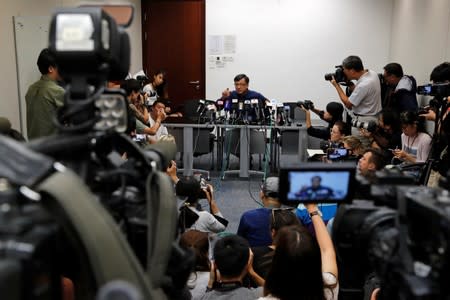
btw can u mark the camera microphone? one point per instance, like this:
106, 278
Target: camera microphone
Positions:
201, 106
287, 112
255, 106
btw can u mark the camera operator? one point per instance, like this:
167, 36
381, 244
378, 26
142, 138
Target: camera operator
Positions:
387, 134
190, 216
401, 90
440, 74
332, 114
365, 100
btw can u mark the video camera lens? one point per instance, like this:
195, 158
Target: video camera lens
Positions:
370, 126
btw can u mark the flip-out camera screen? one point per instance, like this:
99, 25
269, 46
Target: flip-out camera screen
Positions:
317, 183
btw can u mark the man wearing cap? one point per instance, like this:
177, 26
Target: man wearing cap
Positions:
332, 114
254, 224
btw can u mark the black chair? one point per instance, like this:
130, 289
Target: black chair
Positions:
231, 145
203, 143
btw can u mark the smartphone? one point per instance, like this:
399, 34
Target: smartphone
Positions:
337, 153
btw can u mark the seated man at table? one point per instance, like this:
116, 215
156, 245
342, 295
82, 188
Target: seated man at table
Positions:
243, 94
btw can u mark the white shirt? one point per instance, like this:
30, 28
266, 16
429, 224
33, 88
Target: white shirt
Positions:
162, 130
366, 97
152, 95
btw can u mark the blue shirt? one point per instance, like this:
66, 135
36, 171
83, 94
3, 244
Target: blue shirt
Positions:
328, 211
248, 95
255, 228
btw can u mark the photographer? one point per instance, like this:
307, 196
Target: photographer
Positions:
387, 133
190, 216
440, 74
332, 114
401, 90
365, 100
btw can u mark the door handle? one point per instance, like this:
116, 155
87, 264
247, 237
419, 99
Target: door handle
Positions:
194, 82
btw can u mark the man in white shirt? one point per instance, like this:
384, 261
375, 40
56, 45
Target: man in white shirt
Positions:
155, 129
365, 100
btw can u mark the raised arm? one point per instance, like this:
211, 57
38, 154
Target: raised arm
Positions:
327, 252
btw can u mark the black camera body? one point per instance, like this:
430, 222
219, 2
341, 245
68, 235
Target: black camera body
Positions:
401, 235
338, 75
436, 89
306, 104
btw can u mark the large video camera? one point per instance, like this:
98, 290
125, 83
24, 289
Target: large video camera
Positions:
390, 237
401, 235
80, 178
338, 75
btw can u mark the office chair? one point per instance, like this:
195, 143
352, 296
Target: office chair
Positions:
256, 145
203, 143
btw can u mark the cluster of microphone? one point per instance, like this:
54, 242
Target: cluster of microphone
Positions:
248, 111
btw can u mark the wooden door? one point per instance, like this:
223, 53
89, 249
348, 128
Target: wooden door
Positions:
174, 40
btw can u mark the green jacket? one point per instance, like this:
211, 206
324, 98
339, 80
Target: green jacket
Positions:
43, 98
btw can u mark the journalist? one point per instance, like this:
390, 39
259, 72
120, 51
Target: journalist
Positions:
331, 114
365, 100
440, 74
386, 136
401, 90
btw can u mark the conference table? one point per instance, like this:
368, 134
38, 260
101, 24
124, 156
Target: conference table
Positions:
296, 139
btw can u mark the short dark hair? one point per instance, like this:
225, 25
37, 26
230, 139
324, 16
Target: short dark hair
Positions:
131, 85
46, 60
390, 118
343, 127
231, 255
394, 69
412, 118
441, 73
353, 62
159, 101
377, 158
240, 77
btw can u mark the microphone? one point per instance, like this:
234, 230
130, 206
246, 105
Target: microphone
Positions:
234, 107
219, 104
287, 113
280, 113
201, 106
247, 107
255, 107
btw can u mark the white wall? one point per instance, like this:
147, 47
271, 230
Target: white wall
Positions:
420, 36
9, 99
286, 46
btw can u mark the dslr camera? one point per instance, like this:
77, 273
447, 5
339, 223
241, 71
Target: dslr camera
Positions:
306, 104
338, 75
370, 126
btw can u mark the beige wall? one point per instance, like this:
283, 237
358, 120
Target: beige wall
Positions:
9, 101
